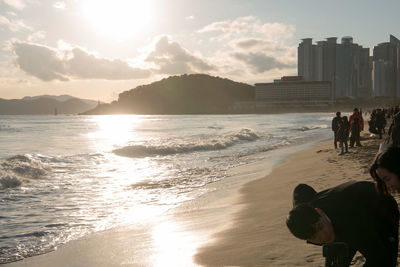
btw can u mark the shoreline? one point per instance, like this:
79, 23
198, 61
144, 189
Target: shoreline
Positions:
232, 225
191, 224
259, 236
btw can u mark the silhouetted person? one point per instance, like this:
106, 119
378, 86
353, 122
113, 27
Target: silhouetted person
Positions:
343, 135
380, 122
394, 130
356, 126
335, 127
372, 123
353, 213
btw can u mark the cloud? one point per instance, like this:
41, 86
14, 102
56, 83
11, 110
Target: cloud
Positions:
275, 31
240, 25
50, 64
259, 62
255, 43
17, 4
36, 36
40, 61
59, 5
254, 47
13, 25
171, 58
250, 26
86, 66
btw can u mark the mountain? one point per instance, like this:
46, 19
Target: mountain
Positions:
185, 94
45, 105
61, 98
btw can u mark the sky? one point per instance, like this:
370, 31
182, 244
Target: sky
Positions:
96, 49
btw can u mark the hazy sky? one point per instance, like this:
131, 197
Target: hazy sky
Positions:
98, 48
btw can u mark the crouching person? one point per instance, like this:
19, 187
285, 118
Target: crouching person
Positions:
353, 213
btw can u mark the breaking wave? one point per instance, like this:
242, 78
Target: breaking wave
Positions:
312, 127
209, 144
20, 169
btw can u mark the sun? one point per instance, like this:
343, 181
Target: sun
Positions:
118, 18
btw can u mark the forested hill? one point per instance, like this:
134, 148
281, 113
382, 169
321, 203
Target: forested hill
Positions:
45, 105
185, 94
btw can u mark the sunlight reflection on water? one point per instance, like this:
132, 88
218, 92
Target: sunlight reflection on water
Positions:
90, 187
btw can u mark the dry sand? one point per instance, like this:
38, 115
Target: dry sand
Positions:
259, 236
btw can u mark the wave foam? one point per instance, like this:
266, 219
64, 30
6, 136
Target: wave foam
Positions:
312, 127
210, 144
16, 170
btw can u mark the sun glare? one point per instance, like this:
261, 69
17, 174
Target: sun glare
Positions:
118, 18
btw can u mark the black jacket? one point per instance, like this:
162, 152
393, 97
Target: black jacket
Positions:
365, 220
335, 123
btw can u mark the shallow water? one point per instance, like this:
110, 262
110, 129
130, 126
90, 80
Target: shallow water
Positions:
63, 177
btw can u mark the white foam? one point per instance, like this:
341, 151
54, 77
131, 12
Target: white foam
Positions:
207, 144
20, 169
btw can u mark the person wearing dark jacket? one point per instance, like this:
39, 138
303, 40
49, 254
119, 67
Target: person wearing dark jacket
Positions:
353, 213
380, 122
394, 130
343, 135
335, 127
356, 126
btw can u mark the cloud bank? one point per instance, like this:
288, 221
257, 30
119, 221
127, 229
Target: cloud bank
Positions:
49, 64
243, 48
259, 47
259, 62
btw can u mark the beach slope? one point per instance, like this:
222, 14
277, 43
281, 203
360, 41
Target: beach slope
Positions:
259, 236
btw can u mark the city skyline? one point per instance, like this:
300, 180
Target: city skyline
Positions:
350, 68
98, 49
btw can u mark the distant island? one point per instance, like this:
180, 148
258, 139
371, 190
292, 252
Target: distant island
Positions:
45, 105
185, 94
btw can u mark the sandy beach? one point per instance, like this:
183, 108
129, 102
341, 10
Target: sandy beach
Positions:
259, 236
240, 225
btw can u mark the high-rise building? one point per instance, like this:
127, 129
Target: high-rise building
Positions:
386, 68
345, 65
305, 62
364, 78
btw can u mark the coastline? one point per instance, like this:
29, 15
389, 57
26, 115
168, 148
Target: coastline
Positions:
259, 236
232, 225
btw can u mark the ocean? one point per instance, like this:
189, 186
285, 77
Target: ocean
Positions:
65, 177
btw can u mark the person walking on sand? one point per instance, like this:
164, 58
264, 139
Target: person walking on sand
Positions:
356, 126
353, 213
343, 135
335, 127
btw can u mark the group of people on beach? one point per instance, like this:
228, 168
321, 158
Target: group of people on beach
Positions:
363, 215
342, 127
378, 122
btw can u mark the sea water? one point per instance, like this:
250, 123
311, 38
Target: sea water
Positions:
64, 177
